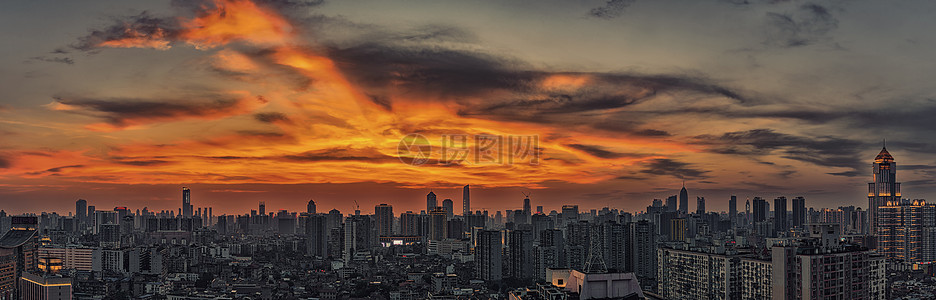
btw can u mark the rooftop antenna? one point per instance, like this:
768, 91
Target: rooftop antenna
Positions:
527, 194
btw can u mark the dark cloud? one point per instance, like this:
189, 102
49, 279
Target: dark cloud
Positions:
852, 173
4, 162
611, 9
272, 117
123, 111
665, 166
142, 28
143, 163
601, 152
808, 24
54, 171
61, 60
822, 151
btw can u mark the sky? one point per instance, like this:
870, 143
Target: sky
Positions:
355, 103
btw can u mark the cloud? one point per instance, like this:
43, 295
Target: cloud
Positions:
600, 152
140, 31
822, 151
120, 113
272, 117
665, 166
808, 24
62, 60
611, 9
55, 171
143, 163
4, 162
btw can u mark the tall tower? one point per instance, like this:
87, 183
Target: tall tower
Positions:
527, 209
81, 211
310, 208
466, 201
431, 202
799, 212
780, 214
733, 210
449, 206
683, 200
186, 202
884, 187
700, 205
262, 208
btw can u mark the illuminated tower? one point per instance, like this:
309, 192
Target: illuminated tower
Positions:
186, 202
884, 187
466, 201
683, 200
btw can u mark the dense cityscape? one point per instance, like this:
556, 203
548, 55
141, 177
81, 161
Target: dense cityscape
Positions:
484, 149
667, 251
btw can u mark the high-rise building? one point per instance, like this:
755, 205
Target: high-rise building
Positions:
884, 189
671, 203
466, 201
17, 254
262, 208
683, 200
383, 213
310, 208
550, 253
44, 287
519, 254
488, 256
409, 225
316, 230
431, 202
641, 239
570, 214
700, 205
449, 206
901, 230
733, 211
759, 210
438, 224
799, 213
527, 210
780, 214
186, 202
81, 212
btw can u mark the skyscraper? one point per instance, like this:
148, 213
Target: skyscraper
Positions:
733, 210
488, 256
466, 201
431, 202
884, 187
683, 200
384, 215
780, 214
310, 208
799, 212
700, 205
438, 224
81, 212
760, 213
671, 203
262, 208
186, 202
448, 205
316, 230
527, 210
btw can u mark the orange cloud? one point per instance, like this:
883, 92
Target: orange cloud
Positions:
235, 20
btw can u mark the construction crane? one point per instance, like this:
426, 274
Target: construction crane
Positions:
357, 208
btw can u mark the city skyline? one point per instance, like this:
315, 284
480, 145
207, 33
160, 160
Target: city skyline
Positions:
283, 101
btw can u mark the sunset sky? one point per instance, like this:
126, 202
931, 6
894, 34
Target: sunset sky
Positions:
125, 102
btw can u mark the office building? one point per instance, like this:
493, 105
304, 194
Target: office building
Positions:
488, 256
383, 213
466, 201
884, 187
